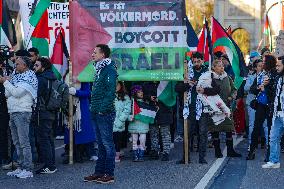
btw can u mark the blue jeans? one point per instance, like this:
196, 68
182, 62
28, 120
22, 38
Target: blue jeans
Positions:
251, 115
103, 124
20, 124
32, 136
275, 138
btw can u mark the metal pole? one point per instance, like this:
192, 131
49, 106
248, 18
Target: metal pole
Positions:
185, 121
70, 117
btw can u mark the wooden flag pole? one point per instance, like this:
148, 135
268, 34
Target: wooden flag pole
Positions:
185, 121
70, 110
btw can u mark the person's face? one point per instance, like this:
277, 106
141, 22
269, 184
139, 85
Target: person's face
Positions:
140, 94
20, 65
38, 67
219, 68
97, 55
259, 67
33, 57
265, 53
279, 67
197, 62
118, 87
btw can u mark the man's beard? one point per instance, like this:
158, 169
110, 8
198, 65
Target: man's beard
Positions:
197, 67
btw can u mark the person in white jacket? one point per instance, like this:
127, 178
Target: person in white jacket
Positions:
21, 93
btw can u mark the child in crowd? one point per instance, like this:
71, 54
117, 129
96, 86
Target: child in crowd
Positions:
123, 110
140, 119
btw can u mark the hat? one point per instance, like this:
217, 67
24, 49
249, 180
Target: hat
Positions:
254, 54
135, 89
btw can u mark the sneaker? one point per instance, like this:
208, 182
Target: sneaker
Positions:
178, 138
25, 174
94, 158
248, 148
172, 145
92, 178
46, 170
165, 157
11, 165
270, 165
59, 138
15, 172
106, 179
117, 159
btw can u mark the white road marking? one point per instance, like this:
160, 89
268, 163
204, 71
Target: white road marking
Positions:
214, 168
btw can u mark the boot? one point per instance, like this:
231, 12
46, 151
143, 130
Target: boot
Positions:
218, 153
154, 155
230, 149
251, 154
141, 155
135, 155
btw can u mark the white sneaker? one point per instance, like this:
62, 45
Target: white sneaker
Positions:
94, 158
25, 174
270, 165
15, 172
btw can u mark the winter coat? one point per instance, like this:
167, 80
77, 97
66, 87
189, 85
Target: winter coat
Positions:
44, 79
86, 133
123, 110
103, 94
19, 99
226, 89
137, 126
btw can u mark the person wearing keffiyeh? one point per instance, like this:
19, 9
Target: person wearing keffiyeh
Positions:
277, 128
21, 91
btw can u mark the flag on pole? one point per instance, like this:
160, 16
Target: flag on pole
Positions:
60, 57
7, 29
166, 93
267, 33
39, 27
191, 39
221, 38
85, 33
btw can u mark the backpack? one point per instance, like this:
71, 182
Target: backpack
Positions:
58, 95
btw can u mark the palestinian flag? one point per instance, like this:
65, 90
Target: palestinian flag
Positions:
221, 38
39, 26
191, 39
60, 57
144, 112
267, 33
166, 93
7, 29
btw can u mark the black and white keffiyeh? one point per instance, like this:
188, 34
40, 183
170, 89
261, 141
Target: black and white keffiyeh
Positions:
101, 64
26, 80
279, 92
188, 94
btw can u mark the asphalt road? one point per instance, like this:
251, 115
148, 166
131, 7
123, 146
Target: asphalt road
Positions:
234, 173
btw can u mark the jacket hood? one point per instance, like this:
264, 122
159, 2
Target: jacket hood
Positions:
48, 74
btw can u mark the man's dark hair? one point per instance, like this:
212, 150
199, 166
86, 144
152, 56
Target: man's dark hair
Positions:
270, 62
256, 62
197, 55
34, 50
45, 63
263, 50
22, 53
218, 54
104, 49
26, 60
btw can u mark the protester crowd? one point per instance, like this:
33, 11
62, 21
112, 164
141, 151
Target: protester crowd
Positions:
110, 113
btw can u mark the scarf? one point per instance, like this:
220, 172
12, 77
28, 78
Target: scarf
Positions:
190, 76
279, 92
77, 116
101, 64
260, 77
220, 77
26, 80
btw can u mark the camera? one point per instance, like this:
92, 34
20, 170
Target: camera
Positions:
5, 53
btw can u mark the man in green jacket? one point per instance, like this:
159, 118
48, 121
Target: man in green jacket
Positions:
103, 114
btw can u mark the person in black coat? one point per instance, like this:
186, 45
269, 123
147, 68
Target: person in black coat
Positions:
263, 86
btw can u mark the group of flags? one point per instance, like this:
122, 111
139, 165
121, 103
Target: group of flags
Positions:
214, 39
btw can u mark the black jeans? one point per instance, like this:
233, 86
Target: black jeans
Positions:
204, 121
46, 142
117, 139
4, 124
261, 113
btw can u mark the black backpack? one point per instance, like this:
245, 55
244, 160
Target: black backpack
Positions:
57, 97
